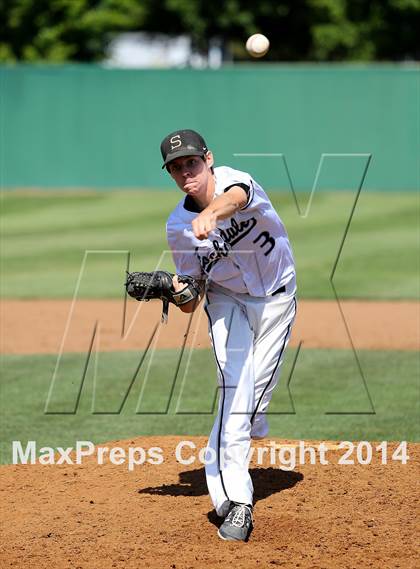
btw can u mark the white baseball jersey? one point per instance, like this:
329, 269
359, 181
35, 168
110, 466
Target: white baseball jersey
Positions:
248, 253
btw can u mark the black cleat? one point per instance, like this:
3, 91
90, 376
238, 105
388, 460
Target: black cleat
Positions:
238, 523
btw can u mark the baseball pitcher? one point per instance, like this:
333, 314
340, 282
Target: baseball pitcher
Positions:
229, 246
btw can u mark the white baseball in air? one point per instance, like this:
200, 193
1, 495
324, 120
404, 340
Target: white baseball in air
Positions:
257, 45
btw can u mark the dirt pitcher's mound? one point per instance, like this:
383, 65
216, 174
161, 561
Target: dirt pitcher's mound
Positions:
159, 515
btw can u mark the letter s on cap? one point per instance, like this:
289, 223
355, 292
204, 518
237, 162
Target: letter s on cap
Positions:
175, 142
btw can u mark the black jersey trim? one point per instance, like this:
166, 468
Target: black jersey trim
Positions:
250, 197
191, 205
246, 188
241, 185
219, 434
275, 367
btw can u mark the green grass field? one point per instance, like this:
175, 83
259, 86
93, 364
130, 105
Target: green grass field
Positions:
45, 236
325, 404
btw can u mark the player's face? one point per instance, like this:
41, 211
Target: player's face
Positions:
191, 173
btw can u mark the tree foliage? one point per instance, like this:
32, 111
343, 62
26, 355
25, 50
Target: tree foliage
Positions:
299, 30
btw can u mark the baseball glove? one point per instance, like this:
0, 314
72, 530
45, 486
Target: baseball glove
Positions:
158, 284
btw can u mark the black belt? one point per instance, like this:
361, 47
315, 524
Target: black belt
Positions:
279, 290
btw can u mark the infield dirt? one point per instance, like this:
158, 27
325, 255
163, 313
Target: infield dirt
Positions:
104, 516
38, 326
159, 516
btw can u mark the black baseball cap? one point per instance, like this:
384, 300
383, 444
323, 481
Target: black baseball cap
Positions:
182, 143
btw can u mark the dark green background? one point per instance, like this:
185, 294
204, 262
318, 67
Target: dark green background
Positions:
87, 126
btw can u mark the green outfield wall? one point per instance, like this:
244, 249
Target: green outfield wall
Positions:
87, 126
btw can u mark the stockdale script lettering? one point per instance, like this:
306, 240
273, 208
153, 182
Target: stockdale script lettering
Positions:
231, 236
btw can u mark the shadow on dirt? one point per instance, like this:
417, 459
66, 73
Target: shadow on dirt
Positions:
267, 481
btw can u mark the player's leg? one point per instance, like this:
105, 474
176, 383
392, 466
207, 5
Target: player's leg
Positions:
272, 323
227, 475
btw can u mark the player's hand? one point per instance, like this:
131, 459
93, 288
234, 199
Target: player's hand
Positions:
203, 224
176, 284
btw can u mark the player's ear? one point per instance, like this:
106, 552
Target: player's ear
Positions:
209, 159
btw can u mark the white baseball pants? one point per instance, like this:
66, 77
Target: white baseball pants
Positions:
249, 337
